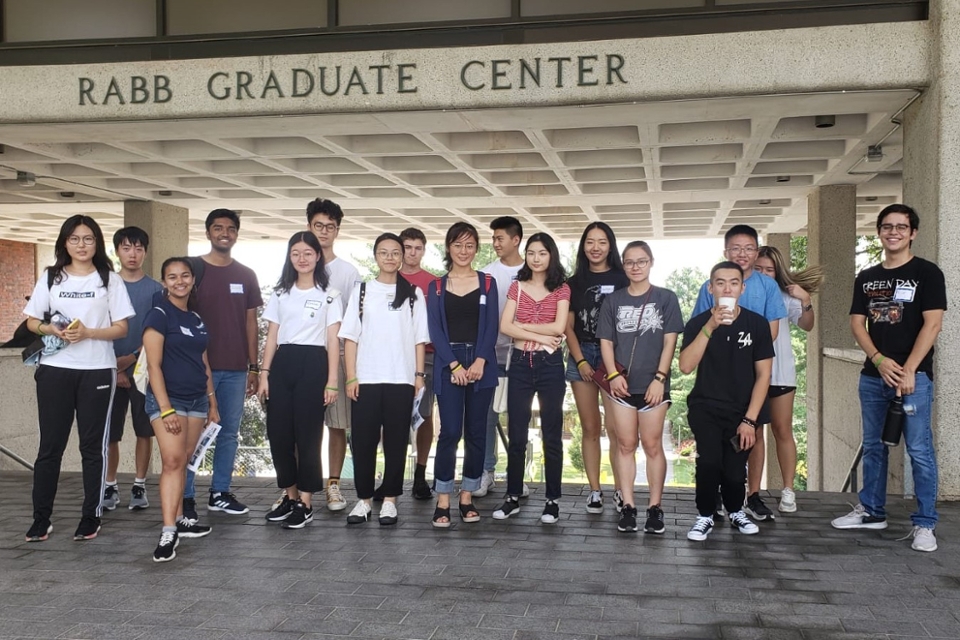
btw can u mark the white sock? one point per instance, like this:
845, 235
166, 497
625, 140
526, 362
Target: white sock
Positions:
111, 484
140, 481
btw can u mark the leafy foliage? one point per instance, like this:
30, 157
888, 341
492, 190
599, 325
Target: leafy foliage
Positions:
686, 283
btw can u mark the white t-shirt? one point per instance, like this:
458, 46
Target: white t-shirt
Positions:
343, 277
85, 298
387, 337
304, 315
784, 371
504, 276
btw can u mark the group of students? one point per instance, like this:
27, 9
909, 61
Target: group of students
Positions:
377, 347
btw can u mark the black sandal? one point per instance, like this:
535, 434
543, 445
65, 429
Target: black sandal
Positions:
466, 509
441, 513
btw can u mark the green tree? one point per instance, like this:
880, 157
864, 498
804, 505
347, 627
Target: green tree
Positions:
686, 283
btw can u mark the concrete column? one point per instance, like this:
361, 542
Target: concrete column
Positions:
831, 239
931, 184
772, 475
166, 224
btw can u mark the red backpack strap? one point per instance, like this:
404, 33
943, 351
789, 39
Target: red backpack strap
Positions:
486, 282
439, 282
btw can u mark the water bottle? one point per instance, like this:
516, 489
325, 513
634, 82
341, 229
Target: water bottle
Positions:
893, 425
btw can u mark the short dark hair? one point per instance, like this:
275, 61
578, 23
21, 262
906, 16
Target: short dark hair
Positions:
222, 213
741, 230
412, 233
456, 230
509, 224
328, 208
899, 208
133, 235
726, 264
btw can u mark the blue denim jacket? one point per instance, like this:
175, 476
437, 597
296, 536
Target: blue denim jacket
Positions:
488, 330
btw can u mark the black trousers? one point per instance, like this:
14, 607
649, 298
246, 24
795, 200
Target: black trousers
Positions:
380, 410
298, 375
718, 465
63, 394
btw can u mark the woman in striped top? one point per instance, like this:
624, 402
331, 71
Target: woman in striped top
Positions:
535, 316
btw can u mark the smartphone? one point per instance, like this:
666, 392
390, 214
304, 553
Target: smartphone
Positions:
73, 324
735, 441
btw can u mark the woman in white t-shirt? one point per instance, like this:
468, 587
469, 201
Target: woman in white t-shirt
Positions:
303, 317
82, 301
795, 289
385, 333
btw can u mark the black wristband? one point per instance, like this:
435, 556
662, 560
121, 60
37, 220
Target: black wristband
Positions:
748, 421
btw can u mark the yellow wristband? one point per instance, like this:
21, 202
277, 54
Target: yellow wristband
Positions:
167, 413
456, 368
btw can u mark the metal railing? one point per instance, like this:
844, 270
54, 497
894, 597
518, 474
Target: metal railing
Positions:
15, 457
850, 484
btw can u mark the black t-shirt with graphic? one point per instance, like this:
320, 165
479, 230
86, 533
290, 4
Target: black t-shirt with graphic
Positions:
587, 293
725, 375
893, 300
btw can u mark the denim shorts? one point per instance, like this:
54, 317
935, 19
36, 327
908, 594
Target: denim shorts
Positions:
196, 408
591, 353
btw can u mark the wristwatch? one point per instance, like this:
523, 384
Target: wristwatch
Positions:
808, 307
421, 374
660, 378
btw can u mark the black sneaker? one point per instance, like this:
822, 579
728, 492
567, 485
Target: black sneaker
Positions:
509, 507
299, 516
551, 512
39, 531
167, 549
190, 528
654, 522
757, 509
282, 510
190, 509
88, 528
595, 502
421, 490
628, 519
228, 503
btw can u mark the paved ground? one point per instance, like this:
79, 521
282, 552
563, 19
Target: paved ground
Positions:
518, 580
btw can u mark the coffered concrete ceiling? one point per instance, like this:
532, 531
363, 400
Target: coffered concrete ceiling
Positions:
686, 169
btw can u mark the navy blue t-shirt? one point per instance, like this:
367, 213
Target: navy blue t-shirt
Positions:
184, 341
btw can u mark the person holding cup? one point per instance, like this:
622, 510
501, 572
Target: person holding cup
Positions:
731, 349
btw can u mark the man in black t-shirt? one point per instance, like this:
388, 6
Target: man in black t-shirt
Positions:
732, 350
896, 315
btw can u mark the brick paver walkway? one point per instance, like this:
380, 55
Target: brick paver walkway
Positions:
514, 580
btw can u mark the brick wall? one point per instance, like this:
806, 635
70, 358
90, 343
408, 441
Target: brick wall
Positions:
17, 277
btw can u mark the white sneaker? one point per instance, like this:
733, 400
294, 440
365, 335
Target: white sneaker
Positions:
388, 513
487, 482
746, 526
335, 500
618, 500
924, 539
526, 491
360, 514
700, 529
788, 501
859, 519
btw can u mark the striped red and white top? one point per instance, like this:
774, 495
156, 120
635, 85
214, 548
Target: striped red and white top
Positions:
530, 311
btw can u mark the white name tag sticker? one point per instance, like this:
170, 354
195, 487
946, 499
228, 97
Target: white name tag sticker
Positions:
236, 288
312, 304
904, 293
606, 288
483, 299
185, 331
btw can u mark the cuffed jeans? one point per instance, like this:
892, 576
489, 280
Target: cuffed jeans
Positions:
875, 397
490, 455
230, 388
537, 373
463, 412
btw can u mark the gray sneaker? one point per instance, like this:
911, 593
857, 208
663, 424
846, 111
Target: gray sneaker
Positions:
924, 539
138, 498
111, 497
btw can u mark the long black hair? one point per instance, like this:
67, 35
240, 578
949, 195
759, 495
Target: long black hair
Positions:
614, 263
101, 261
405, 290
454, 233
289, 275
188, 262
555, 273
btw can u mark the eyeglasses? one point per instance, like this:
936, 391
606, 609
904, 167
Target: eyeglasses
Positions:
749, 251
459, 246
74, 241
636, 264
329, 228
899, 228
387, 255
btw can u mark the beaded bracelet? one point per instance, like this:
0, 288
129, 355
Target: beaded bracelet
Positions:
748, 421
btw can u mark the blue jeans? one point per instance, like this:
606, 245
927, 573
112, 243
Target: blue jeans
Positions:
463, 412
537, 373
490, 455
231, 390
591, 353
875, 396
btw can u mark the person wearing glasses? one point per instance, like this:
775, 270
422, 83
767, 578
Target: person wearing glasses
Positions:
896, 316
79, 380
761, 294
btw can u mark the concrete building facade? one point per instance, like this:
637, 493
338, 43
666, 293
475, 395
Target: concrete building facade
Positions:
664, 119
